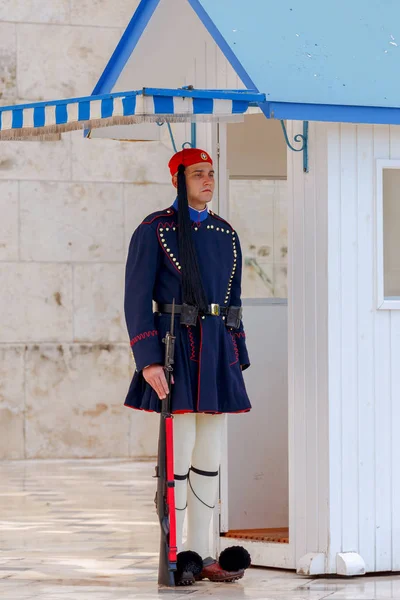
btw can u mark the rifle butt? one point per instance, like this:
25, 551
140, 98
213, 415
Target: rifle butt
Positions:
166, 503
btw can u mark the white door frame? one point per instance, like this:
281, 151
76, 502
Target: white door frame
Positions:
263, 553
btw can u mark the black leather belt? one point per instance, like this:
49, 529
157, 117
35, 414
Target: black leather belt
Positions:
213, 309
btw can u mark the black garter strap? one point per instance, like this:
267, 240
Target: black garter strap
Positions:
205, 474
181, 478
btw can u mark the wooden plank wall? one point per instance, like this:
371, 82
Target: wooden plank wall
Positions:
307, 343
344, 362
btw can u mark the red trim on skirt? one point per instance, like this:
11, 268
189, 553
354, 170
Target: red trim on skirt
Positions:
200, 412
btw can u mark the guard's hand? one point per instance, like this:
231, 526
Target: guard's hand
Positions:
155, 376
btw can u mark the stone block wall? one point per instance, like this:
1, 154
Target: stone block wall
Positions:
68, 210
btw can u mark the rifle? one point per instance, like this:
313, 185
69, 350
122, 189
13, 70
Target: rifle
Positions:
165, 496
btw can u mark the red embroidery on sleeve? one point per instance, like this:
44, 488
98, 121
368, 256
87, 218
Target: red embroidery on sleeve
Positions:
240, 334
143, 336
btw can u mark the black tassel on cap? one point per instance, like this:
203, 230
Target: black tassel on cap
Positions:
192, 285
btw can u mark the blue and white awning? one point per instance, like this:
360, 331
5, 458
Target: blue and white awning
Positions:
47, 120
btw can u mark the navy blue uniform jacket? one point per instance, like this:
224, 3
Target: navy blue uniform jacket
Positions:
208, 356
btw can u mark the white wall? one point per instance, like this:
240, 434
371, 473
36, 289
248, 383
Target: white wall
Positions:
258, 208
307, 347
67, 212
364, 371
258, 441
256, 149
343, 353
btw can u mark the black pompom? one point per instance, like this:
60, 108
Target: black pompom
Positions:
234, 558
189, 561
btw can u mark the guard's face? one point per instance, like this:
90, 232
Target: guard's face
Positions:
200, 182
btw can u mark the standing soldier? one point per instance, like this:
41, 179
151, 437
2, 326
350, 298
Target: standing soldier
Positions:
188, 253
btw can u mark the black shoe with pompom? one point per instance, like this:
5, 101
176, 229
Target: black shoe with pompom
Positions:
234, 558
189, 564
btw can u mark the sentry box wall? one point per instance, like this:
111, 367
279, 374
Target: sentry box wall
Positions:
315, 465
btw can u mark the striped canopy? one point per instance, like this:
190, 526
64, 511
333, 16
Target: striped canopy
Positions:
47, 120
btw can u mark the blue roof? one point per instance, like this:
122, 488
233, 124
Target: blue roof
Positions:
314, 60
344, 52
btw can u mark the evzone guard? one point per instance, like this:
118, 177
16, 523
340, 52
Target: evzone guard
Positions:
188, 260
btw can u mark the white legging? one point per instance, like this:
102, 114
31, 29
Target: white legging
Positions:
197, 443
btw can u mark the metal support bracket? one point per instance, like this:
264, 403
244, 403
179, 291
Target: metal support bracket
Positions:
191, 144
193, 130
300, 137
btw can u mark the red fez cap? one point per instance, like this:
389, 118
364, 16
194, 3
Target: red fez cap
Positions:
188, 157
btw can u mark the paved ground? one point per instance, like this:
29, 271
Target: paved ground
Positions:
87, 530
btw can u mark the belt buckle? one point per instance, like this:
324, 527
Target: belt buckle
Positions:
215, 310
